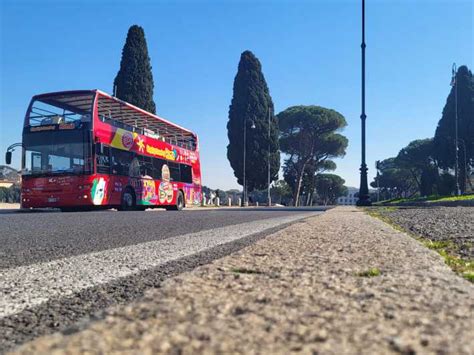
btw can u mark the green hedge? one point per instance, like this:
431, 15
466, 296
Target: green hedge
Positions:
10, 194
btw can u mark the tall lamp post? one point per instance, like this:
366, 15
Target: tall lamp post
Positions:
364, 198
456, 167
269, 198
244, 202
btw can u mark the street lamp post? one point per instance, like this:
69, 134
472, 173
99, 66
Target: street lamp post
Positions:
269, 198
364, 198
456, 168
244, 200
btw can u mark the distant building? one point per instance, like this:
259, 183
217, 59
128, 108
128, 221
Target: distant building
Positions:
350, 198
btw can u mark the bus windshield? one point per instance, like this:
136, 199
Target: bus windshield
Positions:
56, 152
57, 109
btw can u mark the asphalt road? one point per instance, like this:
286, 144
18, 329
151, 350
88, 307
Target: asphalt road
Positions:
57, 269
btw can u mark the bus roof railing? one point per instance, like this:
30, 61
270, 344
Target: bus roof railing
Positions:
121, 111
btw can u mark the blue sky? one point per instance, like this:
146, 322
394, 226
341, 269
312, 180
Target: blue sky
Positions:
310, 53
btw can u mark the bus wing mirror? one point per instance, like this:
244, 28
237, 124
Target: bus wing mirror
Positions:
8, 157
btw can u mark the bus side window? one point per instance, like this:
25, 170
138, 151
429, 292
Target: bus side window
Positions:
174, 171
121, 161
134, 170
157, 166
146, 167
115, 161
102, 158
127, 158
186, 174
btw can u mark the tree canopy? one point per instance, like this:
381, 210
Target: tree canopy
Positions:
414, 170
444, 139
134, 80
309, 138
329, 187
425, 166
251, 106
281, 192
417, 158
393, 180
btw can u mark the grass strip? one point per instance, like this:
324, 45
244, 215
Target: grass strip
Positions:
463, 267
431, 198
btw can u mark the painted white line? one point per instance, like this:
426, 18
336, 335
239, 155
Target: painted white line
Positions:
27, 286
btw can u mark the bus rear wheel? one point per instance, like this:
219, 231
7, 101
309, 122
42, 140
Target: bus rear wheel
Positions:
179, 203
127, 202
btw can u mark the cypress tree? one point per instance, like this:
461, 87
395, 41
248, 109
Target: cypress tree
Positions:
444, 139
251, 105
134, 80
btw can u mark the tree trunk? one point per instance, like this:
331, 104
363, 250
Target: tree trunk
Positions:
298, 187
300, 181
418, 184
462, 180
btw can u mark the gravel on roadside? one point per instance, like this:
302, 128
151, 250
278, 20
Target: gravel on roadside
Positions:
450, 224
339, 283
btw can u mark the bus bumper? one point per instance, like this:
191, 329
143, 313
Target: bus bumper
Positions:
56, 192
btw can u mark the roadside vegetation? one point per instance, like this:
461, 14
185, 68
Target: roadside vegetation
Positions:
308, 136
447, 249
309, 139
425, 170
10, 194
432, 198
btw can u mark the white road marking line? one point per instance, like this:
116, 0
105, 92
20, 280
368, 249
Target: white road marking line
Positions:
30, 285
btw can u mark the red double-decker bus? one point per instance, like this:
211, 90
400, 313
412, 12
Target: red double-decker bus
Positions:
86, 149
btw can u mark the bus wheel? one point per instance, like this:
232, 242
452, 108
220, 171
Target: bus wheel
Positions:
127, 202
179, 203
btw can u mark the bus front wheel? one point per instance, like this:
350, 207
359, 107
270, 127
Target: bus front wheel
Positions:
127, 202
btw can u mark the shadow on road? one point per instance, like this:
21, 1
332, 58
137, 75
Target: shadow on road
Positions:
39, 210
272, 209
